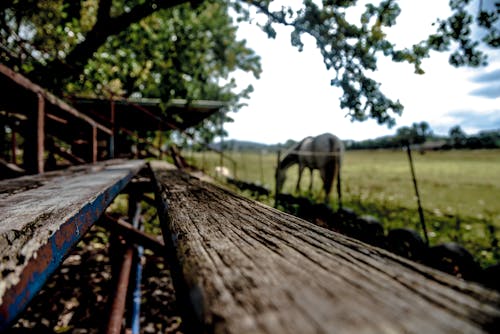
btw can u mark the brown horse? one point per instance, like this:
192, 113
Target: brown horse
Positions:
324, 153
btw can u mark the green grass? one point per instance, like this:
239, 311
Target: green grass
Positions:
460, 190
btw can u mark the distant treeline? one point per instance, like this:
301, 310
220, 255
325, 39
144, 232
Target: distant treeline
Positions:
457, 139
420, 139
242, 146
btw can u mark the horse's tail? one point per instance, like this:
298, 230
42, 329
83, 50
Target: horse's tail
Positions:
339, 188
336, 146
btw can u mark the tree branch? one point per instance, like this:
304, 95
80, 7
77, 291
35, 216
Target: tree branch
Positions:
106, 26
103, 11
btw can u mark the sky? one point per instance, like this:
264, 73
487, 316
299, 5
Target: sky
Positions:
293, 97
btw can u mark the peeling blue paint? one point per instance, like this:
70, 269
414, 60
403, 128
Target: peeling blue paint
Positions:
51, 254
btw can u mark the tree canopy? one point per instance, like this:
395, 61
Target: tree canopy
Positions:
188, 49
416, 134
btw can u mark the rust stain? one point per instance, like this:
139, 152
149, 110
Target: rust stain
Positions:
62, 235
36, 270
35, 273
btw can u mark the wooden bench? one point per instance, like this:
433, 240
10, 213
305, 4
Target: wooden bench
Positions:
42, 217
238, 266
242, 267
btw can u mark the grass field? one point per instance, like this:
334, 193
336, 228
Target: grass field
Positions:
460, 190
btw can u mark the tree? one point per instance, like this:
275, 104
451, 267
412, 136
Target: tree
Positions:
179, 53
422, 131
351, 49
54, 41
416, 134
182, 52
458, 138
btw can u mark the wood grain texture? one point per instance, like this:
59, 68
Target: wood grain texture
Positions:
248, 268
43, 216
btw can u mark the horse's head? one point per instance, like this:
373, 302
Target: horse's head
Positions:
280, 178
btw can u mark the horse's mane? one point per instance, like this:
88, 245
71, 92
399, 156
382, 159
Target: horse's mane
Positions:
290, 155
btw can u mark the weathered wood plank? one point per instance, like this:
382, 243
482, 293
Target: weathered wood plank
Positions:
249, 268
42, 217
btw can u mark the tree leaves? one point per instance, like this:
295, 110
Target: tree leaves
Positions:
351, 48
416, 134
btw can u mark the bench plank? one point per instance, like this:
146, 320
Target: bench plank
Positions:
247, 268
42, 217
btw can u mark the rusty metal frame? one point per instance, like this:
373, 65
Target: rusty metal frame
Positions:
40, 133
118, 306
45, 97
49, 256
133, 234
26, 83
94, 144
13, 146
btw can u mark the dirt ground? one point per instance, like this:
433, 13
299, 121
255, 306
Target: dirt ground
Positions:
76, 298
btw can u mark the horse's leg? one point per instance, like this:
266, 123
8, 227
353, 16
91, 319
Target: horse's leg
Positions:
301, 170
311, 183
339, 187
327, 180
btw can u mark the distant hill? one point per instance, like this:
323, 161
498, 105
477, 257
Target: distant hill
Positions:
241, 145
483, 139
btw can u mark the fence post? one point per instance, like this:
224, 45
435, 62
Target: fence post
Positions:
276, 190
261, 166
420, 210
40, 148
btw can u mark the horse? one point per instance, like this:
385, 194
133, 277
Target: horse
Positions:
324, 153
